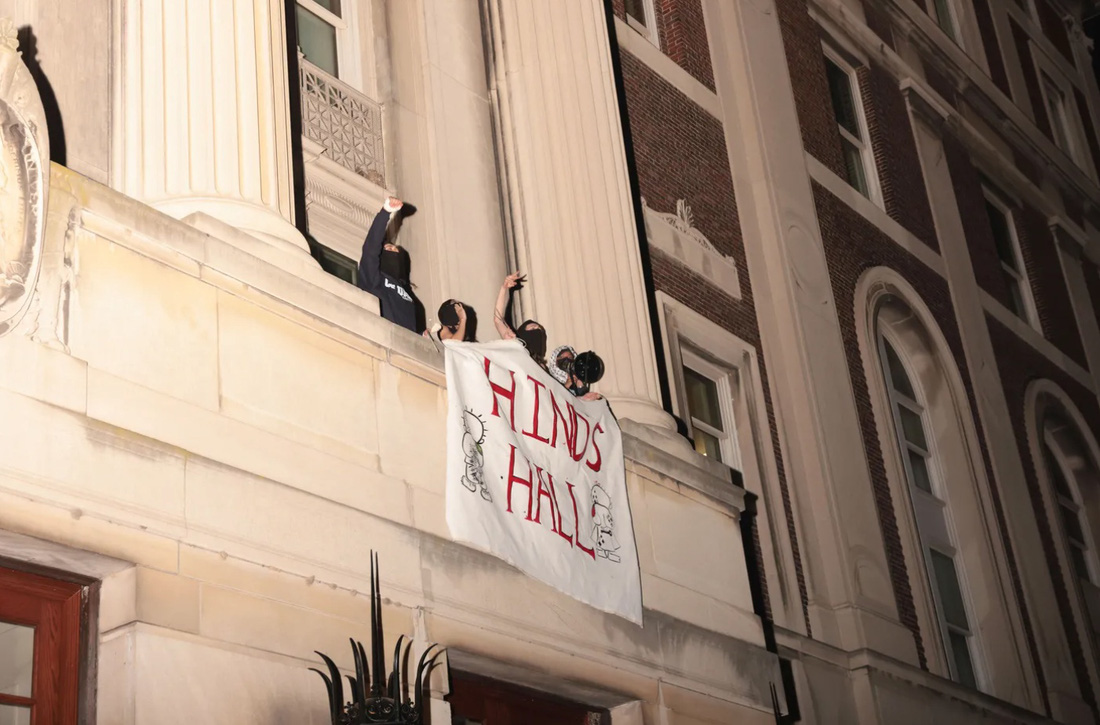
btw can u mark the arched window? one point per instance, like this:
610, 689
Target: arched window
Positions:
930, 507
1070, 510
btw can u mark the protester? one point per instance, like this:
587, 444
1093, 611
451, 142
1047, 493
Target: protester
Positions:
560, 367
530, 333
384, 268
456, 322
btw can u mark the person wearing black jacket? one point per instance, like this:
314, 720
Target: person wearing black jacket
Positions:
384, 269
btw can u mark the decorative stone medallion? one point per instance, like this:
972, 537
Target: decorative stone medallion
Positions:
24, 180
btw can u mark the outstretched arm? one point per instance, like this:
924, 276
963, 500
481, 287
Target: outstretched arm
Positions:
503, 328
370, 276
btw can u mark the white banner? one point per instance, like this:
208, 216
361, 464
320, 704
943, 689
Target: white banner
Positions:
535, 476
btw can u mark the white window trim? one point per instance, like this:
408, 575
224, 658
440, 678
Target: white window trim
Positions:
348, 52
1074, 503
1020, 273
649, 30
866, 152
727, 438
1079, 151
959, 36
680, 325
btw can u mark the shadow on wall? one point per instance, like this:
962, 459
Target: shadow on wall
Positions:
28, 46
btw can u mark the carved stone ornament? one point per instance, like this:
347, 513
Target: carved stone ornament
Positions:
24, 180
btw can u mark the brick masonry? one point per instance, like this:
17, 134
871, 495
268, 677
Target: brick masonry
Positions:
680, 153
1054, 28
1026, 366
895, 149
681, 34
1031, 79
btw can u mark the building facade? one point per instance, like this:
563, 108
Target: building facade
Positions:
840, 257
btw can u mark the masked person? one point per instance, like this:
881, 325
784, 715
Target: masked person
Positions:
560, 367
384, 269
530, 333
454, 323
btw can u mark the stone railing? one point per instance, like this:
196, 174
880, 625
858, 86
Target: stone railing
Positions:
343, 121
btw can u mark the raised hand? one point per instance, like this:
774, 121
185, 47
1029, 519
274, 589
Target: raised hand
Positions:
514, 279
460, 310
395, 203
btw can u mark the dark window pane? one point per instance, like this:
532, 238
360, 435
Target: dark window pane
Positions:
844, 104
947, 584
911, 427
1080, 565
899, 377
943, 17
636, 10
337, 264
853, 165
1055, 473
1002, 235
317, 39
702, 395
918, 464
1072, 522
960, 655
1015, 294
708, 445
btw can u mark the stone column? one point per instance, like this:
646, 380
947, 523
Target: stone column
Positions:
202, 117
851, 600
568, 192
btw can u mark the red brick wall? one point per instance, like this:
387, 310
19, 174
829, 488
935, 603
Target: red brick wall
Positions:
878, 20
891, 133
975, 220
1019, 364
1044, 269
802, 44
680, 153
992, 46
683, 34
1031, 79
853, 245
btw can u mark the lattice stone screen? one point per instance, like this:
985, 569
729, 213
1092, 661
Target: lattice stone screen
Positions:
345, 122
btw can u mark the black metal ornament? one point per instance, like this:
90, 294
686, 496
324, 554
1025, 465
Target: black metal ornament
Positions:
374, 700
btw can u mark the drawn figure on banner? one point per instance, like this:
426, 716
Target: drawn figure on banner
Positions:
472, 437
603, 525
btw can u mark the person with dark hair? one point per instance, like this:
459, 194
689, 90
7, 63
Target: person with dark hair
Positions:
562, 366
455, 323
530, 332
384, 268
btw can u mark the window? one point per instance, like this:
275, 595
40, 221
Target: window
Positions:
1070, 513
640, 16
39, 649
933, 522
335, 264
943, 12
1054, 98
476, 700
707, 396
848, 110
1008, 251
319, 23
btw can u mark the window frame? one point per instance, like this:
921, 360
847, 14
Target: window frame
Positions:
348, 58
54, 608
945, 543
865, 147
1073, 505
1078, 153
728, 445
1023, 280
956, 34
649, 30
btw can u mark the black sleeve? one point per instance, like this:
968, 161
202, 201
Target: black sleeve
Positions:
370, 276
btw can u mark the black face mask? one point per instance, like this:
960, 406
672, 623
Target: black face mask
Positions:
535, 340
395, 264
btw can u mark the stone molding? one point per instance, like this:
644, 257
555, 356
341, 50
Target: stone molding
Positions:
24, 184
676, 235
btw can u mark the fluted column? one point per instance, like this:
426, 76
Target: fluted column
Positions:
203, 123
569, 193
